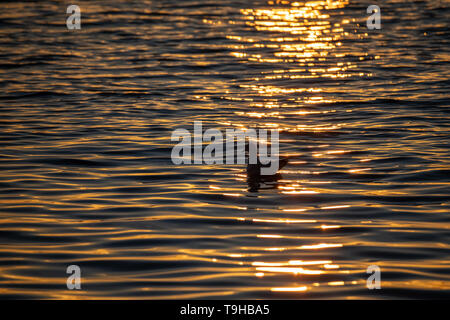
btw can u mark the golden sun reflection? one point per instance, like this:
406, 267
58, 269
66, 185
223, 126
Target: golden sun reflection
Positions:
297, 41
292, 289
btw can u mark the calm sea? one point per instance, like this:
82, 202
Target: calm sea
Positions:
86, 179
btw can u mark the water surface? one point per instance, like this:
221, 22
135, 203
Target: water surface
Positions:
86, 177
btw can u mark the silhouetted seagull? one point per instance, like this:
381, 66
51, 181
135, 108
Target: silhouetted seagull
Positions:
255, 177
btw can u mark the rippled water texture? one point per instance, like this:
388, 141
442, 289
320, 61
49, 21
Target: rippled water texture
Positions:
86, 176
